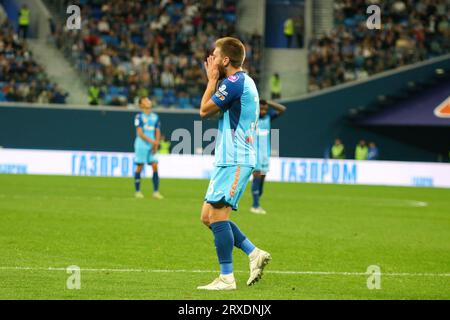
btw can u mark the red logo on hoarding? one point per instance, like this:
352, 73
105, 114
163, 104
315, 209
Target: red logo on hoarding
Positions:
443, 110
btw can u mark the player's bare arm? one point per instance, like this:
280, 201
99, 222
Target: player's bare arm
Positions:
141, 134
208, 108
158, 139
279, 108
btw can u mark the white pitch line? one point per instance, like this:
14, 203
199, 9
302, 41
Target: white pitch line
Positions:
319, 273
415, 203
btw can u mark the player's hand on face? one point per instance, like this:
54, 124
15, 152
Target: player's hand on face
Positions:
212, 69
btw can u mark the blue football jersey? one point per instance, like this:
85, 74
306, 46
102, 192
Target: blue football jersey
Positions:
149, 124
263, 147
238, 99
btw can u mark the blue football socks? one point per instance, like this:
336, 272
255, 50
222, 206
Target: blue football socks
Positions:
224, 240
137, 181
240, 240
155, 181
256, 185
261, 186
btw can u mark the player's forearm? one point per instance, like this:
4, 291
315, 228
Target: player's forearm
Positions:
209, 92
278, 107
145, 138
158, 136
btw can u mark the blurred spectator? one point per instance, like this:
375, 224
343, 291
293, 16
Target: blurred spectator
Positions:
275, 86
299, 31
44, 97
59, 96
338, 150
164, 145
289, 30
312, 85
52, 27
24, 21
361, 151
167, 78
3, 15
94, 95
412, 31
373, 152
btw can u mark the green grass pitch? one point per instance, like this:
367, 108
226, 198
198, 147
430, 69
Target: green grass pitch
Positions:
151, 249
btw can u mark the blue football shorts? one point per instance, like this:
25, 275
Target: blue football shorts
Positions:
228, 184
144, 156
262, 166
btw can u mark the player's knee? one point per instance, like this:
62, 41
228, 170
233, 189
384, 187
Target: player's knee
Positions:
205, 220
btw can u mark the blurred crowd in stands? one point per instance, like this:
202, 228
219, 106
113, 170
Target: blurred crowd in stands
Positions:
129, 48
22, 79
411, 31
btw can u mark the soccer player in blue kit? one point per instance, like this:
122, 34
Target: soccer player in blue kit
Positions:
268, 111
148, 134
236, 99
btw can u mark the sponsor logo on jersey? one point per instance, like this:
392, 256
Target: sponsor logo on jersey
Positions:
223, 89
233, 78
443, 110
220, 96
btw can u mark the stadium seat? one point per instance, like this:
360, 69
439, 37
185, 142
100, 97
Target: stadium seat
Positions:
230, 17
158, 93
108, 98
96, 13
110, 40
137, 40
184, 103
195, 101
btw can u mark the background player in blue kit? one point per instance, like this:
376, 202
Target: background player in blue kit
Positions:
269, 110
235, 158
146, 144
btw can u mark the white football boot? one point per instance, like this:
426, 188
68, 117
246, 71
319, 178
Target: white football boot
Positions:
258, 210
221, 283
139, 195
157, 195
258, 261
